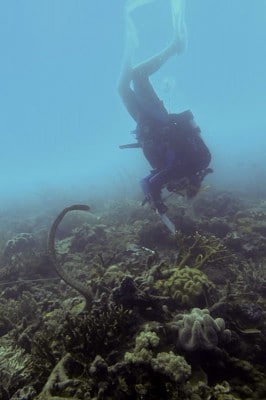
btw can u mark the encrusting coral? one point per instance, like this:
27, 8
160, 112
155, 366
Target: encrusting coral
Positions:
198, 330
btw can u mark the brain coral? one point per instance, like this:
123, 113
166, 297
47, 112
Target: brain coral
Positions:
188, 286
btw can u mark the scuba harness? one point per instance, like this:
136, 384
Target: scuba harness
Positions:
181, 134
180, 131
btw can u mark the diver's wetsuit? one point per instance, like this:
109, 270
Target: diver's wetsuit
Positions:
154, 133
153, 121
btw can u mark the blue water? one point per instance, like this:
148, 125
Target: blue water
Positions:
61, 117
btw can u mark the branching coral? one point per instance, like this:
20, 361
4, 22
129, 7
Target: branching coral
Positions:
88, 334
198, 330
12, 312
45, 352
197, 250
14, 364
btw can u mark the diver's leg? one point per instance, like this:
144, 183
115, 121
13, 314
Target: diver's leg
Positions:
143, 99
144, 184
152, 186
154, 63
124, 85
178, 16
150, 103
128, 95
156, 183
131, 5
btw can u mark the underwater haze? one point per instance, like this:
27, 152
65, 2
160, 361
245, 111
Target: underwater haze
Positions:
62, 120
164, 301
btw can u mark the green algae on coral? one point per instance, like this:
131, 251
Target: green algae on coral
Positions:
187, 286
173, 366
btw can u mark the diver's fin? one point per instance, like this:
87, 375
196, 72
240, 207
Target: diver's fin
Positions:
133, 4
178, 15
204, 188
168, 223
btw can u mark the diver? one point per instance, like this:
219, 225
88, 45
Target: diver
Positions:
170, 142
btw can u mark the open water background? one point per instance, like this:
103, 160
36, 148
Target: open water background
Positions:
62, 119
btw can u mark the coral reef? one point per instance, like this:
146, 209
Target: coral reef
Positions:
89, 334
130, 296
156, 317
173, 366
14, 367
88, 235
217, 204
187, 286
21, 243
167, 363
198, 250
26, 393
142, 353
198, 330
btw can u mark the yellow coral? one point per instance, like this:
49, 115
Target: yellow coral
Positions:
197, 250
144, 343
185, 285
171, 365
